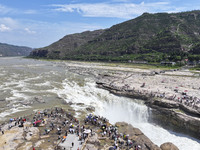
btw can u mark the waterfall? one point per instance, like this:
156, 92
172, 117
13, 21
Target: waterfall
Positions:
124, 109
18, 82
132, 111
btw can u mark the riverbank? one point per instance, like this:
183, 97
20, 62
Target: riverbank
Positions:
60, 83
57, 128
173, 95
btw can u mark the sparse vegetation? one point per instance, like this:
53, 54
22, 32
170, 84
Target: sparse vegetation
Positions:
149, 37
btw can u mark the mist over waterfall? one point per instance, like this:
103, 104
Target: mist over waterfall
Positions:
126, 110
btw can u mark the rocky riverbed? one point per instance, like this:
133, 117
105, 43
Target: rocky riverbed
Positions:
173, 95
50, 128
31, 85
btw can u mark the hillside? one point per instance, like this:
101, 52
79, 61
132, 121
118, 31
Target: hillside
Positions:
11, 50
66, 45
150, 37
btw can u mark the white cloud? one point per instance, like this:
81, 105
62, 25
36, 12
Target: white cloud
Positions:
29, 31
12, 23
8, 20
31, 11
117, 10
35, 33
8, 10
4, 28
4, 9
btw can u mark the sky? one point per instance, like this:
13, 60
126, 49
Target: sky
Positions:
38, 23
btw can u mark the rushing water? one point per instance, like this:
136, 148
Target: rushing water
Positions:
21, 80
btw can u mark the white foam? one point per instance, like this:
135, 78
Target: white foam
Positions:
77, 94
16, 108
122, 109
46, 83
113, 107
35, 65
137, 116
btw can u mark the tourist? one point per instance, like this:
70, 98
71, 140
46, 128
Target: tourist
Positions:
63, 139
66, 133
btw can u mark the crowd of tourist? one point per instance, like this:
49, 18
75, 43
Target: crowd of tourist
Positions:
120, 140
181, 97
61, 123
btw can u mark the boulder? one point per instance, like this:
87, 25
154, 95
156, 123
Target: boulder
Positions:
80, 104
168, 146
90, 147
137, 136
90, 108
70, 103
38, 99
93, 140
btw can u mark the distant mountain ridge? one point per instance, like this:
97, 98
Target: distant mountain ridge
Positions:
12, 50
66, 45
150, 37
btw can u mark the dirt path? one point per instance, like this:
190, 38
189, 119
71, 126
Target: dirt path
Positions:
68, 142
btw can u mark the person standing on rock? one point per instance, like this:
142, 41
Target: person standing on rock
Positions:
66, 133
72, 144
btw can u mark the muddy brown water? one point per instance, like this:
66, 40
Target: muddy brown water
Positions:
28, 85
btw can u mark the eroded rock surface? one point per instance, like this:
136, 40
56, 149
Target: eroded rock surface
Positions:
168, 146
